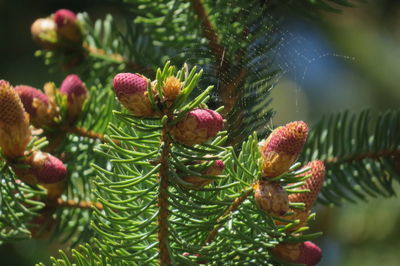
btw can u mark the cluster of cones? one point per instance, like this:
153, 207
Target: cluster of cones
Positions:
23, 105
278, 152
59, 31
196, 127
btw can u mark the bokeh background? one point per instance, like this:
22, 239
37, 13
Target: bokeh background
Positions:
349, 60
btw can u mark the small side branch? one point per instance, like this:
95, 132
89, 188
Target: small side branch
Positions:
233, 207
79, 131
368, 155
77, 205
208, 31
117, 59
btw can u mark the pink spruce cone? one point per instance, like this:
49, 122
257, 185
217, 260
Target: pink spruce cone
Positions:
282, 148
302, 253
199, 182
63, 16
36, 104
14, 122
47, 168
271, 198
313, 183
310, 254
76, 93
131, 91
198, 126
67, 26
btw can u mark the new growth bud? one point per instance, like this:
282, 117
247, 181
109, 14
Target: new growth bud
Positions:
199, 182
44, 33
197, 127
282, 148
271, 198
131, 91
67, 26
47, 168
313, 183
171, 88
14, 122
302, 253
36, 104
76, 93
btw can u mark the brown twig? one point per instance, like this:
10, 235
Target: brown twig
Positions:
233, 207
208, 30
79, 131
223, 65
83, 132
118, 59
77, 205
368, 155
163, 230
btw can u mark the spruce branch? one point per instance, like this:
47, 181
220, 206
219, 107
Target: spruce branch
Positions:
208, 29
368, 155
233, 207
366, 167
163, 230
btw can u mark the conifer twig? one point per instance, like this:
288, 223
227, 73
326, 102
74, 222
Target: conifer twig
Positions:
163, 230
79, 131
368, 155
118, 59
227, 89
77, 205
233, 207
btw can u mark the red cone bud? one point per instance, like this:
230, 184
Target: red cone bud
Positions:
271, 198
36, 104
76, 93
64, 16
131, 91
47, 168
314, 184
213, 170
197, 127
302, 253
281, 149
67, 26
14, 122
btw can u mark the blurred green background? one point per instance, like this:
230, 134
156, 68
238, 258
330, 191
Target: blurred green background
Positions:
340, 61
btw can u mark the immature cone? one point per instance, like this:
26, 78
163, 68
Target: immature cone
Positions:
171, 88
44, 33
36, 104
313, 183
197, 127
76, 93
44, 169
199, 182
131, 91
281, 149
271, 198
14, 122
302, 253
67, 26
